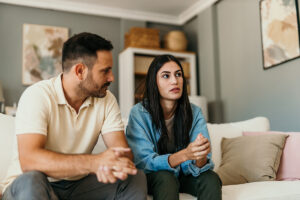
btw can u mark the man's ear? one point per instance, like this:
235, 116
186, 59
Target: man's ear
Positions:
81, 71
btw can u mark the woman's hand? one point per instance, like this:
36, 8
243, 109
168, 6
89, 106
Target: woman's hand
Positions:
198, 149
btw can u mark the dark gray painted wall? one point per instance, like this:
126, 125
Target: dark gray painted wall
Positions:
209, 63
245, 89
191, 31
12, 19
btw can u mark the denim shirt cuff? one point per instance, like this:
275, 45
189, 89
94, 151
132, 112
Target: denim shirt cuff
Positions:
195, 171
165, 165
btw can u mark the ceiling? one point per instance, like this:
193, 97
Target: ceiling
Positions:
163, 11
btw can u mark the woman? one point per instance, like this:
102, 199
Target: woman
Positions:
169, 137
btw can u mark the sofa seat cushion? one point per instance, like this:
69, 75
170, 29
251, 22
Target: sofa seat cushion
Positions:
267, 190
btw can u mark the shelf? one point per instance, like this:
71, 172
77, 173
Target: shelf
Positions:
160, 49
133, 68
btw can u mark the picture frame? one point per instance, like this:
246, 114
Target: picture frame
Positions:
279, 31
42, 51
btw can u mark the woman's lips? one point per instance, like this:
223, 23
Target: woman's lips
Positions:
175, 90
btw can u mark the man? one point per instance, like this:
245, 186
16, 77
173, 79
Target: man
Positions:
58, 123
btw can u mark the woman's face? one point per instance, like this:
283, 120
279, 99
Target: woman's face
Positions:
169, 81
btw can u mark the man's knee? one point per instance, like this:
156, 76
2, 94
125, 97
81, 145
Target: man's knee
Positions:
28, 185
139, 180
31, 178
134, 187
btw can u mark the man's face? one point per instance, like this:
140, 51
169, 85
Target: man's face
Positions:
99, 77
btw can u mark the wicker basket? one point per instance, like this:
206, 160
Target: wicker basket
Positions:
142, 37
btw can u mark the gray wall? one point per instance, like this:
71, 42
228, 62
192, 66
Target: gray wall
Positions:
12, 19
190, 29
209, 63
245, 89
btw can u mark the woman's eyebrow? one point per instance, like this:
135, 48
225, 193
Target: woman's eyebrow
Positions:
167, 72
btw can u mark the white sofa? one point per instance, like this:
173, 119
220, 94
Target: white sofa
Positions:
272, 190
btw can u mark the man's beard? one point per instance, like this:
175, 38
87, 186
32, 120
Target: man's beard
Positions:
89, 83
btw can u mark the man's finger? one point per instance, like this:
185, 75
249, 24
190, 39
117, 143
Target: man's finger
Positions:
126, 162
127, 170
109, 175
103, 177
121, 149
120, 175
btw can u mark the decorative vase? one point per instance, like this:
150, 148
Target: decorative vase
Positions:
176, 41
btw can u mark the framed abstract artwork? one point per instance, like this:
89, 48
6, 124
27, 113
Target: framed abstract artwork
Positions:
280, 31
42, 50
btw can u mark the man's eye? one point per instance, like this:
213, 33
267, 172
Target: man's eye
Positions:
165, 76
178, 74
106, 71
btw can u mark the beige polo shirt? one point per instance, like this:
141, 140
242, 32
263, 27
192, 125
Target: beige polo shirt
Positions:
43, 109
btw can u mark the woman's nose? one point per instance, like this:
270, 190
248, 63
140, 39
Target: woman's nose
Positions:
174, 80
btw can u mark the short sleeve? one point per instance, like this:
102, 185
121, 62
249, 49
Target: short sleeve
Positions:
113, 120
33, 111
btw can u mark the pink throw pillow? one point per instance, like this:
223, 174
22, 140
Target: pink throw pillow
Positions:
290, 159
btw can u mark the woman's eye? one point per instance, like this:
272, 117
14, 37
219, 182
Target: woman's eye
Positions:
178, 74
165, 76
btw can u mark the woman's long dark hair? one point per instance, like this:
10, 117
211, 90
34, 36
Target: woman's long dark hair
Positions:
183, 114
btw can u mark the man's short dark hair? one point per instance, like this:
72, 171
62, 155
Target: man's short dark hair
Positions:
83, 48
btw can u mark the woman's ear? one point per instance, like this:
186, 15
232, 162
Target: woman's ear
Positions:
80, 71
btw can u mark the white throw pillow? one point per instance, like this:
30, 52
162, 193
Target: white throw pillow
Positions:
230, 130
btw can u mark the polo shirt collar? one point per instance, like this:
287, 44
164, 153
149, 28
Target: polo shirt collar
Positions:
61, 99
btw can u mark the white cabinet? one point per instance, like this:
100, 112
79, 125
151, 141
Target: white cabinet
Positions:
133, 66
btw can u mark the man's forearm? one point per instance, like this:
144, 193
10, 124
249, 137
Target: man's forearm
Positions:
57, 165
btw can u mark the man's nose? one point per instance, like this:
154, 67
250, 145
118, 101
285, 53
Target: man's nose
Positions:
111, 77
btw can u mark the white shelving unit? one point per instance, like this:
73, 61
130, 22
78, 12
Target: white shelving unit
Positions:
127, 73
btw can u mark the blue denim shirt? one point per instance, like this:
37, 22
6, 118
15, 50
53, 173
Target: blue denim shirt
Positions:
143, 137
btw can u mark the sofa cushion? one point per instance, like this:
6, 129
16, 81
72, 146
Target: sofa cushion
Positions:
250, 158
290, 160
267, 190
230, 130
6, 144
